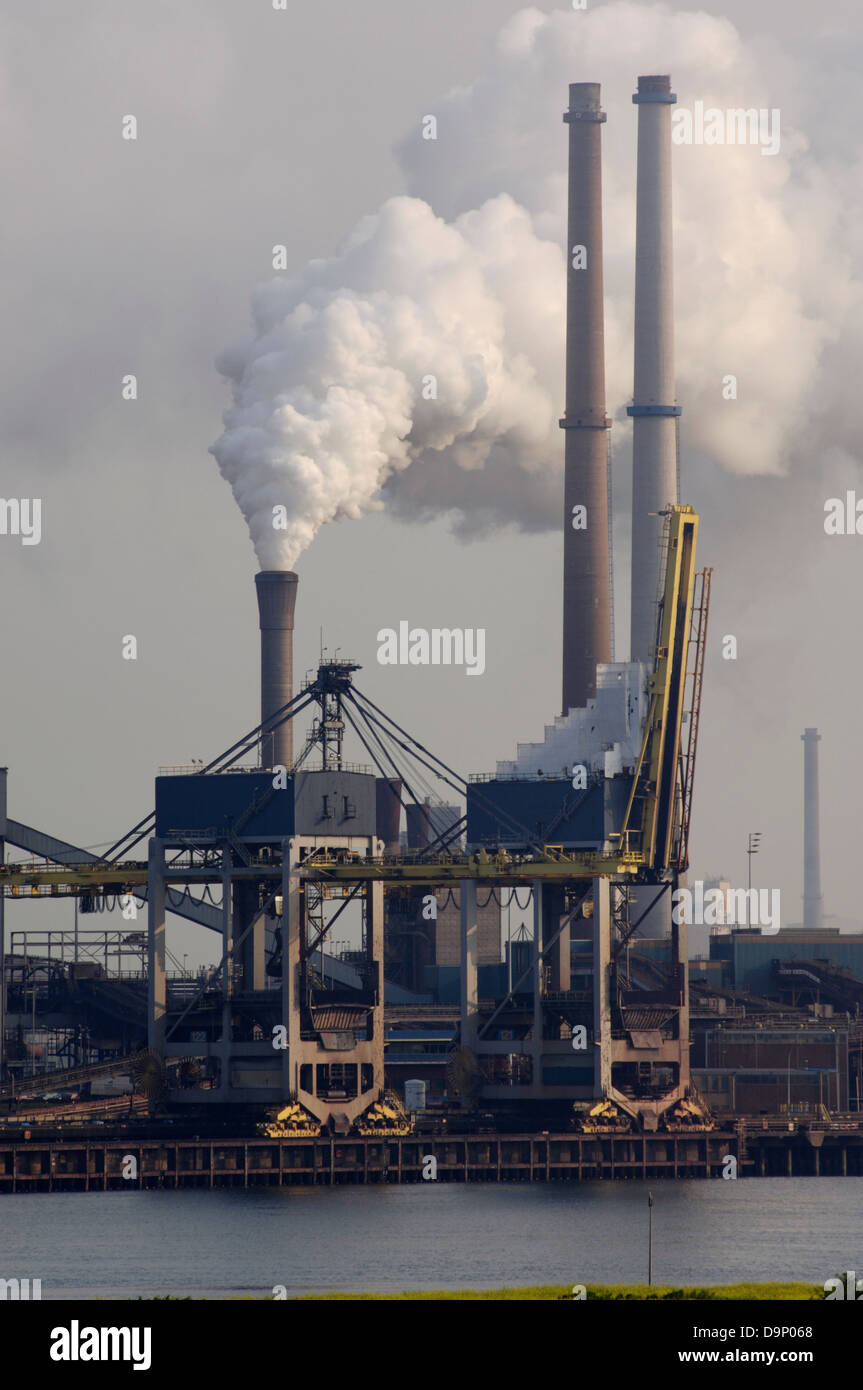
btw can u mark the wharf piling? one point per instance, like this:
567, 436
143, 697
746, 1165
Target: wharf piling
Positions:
81, 1165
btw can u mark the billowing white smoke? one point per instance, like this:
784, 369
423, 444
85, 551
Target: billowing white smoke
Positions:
333, 411
429, 349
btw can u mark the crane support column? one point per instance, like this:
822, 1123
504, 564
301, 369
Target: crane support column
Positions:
156, 945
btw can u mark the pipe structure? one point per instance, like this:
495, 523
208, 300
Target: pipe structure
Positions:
586, 575
813, 903
277, 596
654, 412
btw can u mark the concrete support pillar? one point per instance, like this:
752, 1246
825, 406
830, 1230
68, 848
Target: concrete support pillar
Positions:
375, 953
375, 927
680, 957
157, 985
469, 962
228, 969
602, 985
291, 926
536, 980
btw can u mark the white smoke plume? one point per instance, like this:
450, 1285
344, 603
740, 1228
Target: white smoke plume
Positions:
333, 394
333, 413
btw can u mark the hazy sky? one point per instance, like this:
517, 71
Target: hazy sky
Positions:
259, 127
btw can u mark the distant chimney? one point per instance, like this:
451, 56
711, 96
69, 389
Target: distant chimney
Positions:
418, 816
813, 906
277, 595
388, 812
586, 577
654, 412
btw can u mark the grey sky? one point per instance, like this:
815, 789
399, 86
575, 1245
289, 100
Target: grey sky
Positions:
258, 127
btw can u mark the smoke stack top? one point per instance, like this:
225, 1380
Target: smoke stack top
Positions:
277, 597
584, 97
660, 85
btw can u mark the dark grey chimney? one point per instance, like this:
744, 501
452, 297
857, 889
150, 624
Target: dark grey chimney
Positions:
277, 595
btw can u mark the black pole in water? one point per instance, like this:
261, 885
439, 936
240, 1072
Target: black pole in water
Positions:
649, 1239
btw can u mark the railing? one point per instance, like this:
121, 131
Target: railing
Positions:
704, 1010
519, 777
344, 767
189, 770
92, 866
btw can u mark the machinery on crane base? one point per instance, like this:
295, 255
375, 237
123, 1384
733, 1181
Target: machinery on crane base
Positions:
292, 1122
606, 1118
386, 1118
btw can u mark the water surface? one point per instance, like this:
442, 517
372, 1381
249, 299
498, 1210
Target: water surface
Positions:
235, 1242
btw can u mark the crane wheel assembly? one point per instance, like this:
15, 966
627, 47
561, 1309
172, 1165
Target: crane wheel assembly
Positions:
386, 1118
290, 1123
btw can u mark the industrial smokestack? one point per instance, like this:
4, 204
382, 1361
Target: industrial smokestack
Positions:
813, 907
277, 595
586, 581
419, 824
388, 811
654, 427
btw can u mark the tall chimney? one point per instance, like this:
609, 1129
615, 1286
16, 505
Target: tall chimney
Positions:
277, 595
654, 424
813, 906
586, 581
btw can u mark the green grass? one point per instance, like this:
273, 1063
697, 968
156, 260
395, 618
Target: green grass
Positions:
548, 1293
554, 1292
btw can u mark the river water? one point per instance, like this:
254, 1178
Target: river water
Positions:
244, 1243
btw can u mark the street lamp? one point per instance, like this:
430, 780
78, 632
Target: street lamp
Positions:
751, 848
649, 1238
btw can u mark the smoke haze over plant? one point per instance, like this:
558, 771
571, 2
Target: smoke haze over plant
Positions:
464, 281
